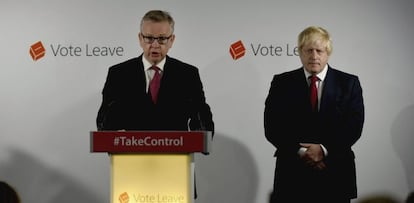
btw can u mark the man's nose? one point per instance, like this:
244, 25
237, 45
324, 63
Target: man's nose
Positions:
314, 54
155, 43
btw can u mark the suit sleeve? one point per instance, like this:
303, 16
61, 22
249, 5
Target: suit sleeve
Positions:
277, 120
108, 100
201, 116
351, 120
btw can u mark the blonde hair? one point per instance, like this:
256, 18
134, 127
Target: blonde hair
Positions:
312, 34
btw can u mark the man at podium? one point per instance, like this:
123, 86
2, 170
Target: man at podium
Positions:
154, 91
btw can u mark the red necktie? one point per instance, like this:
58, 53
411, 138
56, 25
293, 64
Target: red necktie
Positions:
154, 85
314, 93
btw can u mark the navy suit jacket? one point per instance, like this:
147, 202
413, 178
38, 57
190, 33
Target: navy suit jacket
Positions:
289, 120
127, 105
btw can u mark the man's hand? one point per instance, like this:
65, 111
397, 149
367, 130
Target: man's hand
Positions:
313, 156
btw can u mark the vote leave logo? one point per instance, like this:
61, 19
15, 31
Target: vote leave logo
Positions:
37, 51
67, 50
237, 50
279, 49
123, 198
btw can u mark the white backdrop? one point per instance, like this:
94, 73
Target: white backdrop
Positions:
49, 106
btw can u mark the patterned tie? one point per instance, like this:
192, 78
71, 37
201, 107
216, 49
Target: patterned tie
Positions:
314, 93
154, 85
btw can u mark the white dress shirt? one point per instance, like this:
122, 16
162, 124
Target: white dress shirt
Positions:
319, 85
149, 72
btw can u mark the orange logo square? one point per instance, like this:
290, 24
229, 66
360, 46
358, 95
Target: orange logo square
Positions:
37, 50
124, 198
237, 50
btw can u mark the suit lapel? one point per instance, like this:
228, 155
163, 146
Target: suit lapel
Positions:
138, 87
142, 84
166, 76
328, 94
304, 86
300, 89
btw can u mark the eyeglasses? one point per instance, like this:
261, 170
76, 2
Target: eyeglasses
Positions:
160, 40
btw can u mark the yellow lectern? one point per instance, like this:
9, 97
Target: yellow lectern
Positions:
151, 166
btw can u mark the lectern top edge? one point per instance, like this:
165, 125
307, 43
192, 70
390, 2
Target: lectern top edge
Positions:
151, 141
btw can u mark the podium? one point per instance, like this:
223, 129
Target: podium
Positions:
151, 166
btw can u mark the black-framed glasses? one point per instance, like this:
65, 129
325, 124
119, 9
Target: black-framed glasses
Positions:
151, 39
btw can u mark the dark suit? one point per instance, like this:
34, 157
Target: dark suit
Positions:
127, 105
289, 120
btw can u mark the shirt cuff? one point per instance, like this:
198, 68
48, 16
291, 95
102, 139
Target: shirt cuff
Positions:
302, 151
325, 151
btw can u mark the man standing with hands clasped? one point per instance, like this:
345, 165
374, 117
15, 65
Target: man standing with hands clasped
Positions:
154, 91
313, 116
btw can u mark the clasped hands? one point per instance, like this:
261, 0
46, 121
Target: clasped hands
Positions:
313, 156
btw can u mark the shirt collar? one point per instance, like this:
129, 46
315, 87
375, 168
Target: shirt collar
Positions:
320, 75
148, 65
